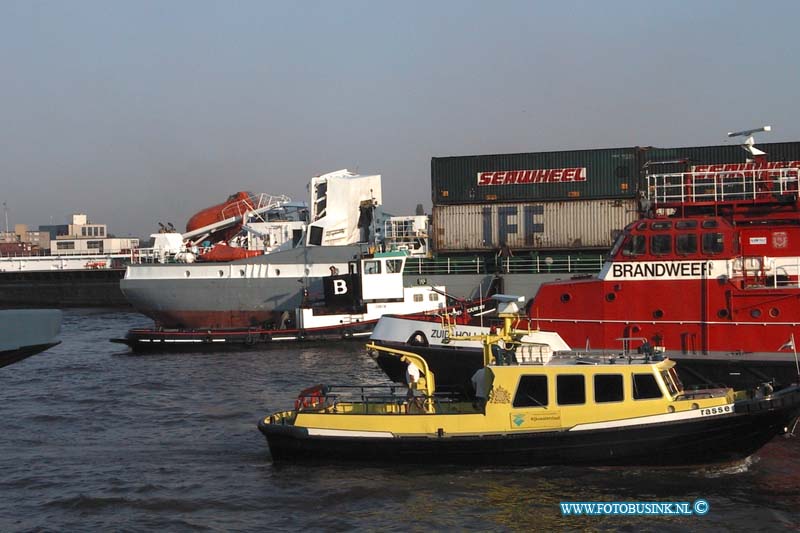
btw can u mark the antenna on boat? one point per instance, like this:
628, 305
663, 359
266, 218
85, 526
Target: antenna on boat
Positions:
791, 344
749, 141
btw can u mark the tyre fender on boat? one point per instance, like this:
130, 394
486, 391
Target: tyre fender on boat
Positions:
418, 338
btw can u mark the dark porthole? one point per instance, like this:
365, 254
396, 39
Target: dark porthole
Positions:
722, 313
774, 312
658, 313
610, 297
755, 313
565, 297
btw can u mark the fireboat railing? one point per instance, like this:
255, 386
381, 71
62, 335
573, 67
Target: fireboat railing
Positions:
787, 275
767, 272
722, 186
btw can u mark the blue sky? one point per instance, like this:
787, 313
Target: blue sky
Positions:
139, 112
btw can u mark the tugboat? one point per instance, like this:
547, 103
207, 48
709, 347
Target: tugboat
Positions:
352, 304
565, 411
451, 342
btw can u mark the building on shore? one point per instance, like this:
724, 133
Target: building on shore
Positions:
80, 236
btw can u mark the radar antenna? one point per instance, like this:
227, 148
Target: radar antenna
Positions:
749, 141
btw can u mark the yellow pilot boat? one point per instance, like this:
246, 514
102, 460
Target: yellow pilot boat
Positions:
568, 410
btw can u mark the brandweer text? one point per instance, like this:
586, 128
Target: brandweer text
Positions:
657, 270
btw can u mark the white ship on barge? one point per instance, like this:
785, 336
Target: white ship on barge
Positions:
345, 221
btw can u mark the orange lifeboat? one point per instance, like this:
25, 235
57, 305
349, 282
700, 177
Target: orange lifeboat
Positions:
216, 213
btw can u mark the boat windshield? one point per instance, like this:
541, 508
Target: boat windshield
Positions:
617, 246
671, 381
674, 373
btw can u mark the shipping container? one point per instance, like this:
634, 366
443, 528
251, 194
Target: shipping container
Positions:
528, 226
681, 159
576, 174
580, 174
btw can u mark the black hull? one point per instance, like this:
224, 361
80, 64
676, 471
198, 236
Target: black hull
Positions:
453, 368
62, 288
154, 340
701, 441
9, 357
741, 373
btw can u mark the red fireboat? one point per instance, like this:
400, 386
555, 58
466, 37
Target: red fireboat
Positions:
709, 275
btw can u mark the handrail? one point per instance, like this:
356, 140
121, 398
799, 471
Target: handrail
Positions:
758, 185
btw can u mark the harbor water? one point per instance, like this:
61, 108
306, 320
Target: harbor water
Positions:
95, 438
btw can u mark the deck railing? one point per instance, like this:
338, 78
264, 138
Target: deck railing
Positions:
755, 185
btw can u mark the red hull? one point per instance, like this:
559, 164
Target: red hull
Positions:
689, 316
213, 319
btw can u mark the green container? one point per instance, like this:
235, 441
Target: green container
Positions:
539, 176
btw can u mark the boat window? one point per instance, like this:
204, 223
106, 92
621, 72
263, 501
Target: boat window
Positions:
661, 225
641, 225
671, 387
419, 297
433, 297
531, 392
675, 378
634, 245
608, 388
708, 224
617, 245
661, 244
372, 267
686, 243
315, 235
713, 243
394, 266
570, 389
645, 387
686, 224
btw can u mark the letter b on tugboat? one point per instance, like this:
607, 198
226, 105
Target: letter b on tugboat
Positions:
341, 291
339, 287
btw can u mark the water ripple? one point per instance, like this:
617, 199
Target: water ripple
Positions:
97, 439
